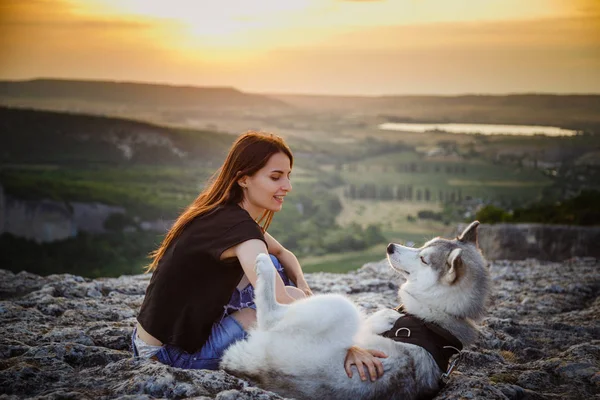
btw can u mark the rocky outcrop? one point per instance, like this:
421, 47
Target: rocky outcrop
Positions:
67, 337
540, 241
41, 221
46, 220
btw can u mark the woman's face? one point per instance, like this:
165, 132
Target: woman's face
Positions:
268, 186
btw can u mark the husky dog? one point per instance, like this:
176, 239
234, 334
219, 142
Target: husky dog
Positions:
298, 350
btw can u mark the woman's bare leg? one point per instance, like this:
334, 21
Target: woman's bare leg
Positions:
246, 317
295, 292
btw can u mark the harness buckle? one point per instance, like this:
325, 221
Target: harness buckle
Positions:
401, 329
446, 375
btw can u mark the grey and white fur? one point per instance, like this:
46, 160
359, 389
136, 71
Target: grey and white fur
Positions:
298, 350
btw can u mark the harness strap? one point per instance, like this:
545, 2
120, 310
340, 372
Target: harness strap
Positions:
440, 343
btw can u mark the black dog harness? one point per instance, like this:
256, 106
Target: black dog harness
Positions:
440, 343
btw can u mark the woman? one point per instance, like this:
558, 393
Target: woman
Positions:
198, 302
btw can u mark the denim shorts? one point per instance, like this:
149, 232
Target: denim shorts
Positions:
223, 334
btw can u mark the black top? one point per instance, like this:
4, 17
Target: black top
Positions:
190, 286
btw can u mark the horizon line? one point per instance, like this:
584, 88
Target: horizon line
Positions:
306, 94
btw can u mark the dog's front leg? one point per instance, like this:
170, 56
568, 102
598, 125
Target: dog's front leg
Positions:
382, 320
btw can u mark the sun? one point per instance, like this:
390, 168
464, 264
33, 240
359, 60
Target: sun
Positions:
209, 19
212, 30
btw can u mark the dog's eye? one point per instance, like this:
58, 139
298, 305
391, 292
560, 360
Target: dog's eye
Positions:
423, 260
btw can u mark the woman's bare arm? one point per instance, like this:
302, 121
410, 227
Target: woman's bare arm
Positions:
246, 252
290, 263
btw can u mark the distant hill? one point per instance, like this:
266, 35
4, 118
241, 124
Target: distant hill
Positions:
568, 111
128, 93
231, 110
31, 136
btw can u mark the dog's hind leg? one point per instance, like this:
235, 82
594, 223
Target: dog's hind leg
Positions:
268, 310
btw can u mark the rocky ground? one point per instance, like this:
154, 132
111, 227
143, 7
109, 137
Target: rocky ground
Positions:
67, 337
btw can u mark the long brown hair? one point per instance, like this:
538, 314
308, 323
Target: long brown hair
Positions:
249, 153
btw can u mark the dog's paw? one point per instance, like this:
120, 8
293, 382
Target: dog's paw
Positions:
263, 264
383, 320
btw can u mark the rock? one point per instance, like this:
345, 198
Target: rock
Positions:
576, 371
540, 241
463, 387
534, 380
68, 337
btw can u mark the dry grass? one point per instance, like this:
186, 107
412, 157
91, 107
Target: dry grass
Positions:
365, 212
392, 217
509, 356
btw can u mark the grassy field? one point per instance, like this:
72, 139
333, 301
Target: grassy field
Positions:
343, 262
145, 191
398, 218
475, 178
391, 215
407, 233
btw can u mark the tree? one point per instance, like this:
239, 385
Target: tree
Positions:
385, 193
491, 215
352, 191
409, 192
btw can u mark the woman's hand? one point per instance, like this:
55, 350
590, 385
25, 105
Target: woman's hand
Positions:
302, 285
364, 358
290, 264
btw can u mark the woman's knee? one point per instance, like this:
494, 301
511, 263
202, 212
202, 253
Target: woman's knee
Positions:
295, 292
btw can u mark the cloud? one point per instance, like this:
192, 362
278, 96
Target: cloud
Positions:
19, 11
86, 24
46, 14
549, 55
54, 38
588, 7
539, 33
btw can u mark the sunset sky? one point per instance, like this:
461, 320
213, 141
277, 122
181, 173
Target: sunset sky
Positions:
368, 47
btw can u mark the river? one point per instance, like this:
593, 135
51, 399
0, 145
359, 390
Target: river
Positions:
484, 129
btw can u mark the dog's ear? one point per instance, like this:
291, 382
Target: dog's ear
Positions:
469, 235
455, 265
